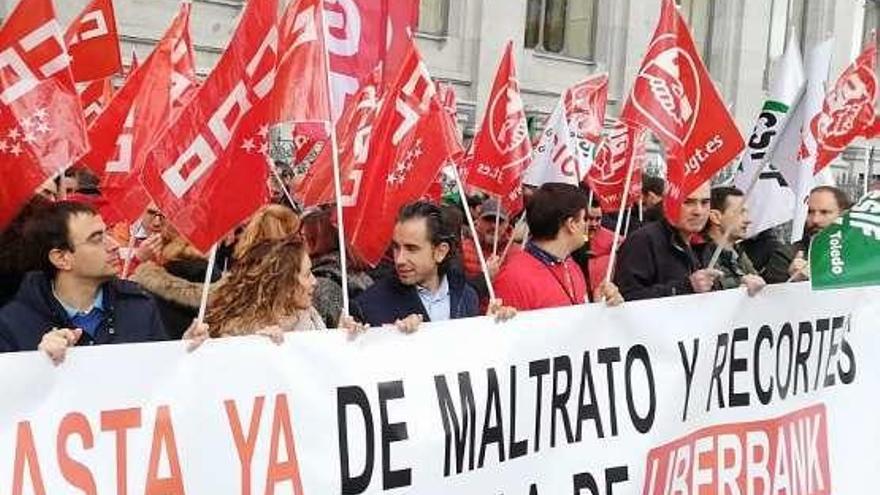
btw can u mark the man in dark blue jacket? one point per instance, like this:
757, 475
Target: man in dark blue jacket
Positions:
76, 298
424, 287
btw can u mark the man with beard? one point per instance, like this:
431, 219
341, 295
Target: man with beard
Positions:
666, 258
825, 205
426, 285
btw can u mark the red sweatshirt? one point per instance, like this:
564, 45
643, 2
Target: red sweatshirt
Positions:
534, 279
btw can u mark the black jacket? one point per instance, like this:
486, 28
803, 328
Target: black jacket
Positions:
388, 301
131, 316
655, 262
770, 256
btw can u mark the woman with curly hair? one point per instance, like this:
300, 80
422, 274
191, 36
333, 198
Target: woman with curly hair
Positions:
268, 292
271, 222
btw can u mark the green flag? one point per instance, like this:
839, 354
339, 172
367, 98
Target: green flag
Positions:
847, 254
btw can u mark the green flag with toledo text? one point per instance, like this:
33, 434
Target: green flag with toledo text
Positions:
847, 254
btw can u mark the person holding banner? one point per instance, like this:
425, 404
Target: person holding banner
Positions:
76, 298
425, 286
664, 258
543, 274
727, 226
824, 205
268, 292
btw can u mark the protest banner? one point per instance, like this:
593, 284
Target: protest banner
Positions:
716, 393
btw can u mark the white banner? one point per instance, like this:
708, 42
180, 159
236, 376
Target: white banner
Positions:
717, 393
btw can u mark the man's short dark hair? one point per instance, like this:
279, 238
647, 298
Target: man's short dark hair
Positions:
718, 198
49, 229
551, 205
441, 226
842, 199
653, 184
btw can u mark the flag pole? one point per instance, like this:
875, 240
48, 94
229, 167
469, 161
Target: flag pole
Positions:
629, 217
497, 227
746, 195
614, 246
470, 219
206, 287
519, 223
337, 177
284, 189
869, 162
126, 266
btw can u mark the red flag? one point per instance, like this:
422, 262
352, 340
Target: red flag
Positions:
95, 96
353, 133
93, 42
208, 173
448, 98
42, 130
502, 147
143, 108
674, 96
302, 94
585, 104
848, 109
623, 146
410, 144
359, 42
309, 141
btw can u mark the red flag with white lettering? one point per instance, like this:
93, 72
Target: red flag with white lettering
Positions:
93, 42
360, 42
208, 173
42, 130
144, 107
502, 147
410, 144
353, 133
848, 109
623, 146
674, 96
95, 96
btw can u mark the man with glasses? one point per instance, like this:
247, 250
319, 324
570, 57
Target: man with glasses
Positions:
484, 223
76, 299
143, 239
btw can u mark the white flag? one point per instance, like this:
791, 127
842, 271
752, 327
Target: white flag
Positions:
795, 154
771, 201
556, 158
566, 148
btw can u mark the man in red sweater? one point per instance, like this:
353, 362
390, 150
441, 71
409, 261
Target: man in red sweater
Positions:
543, 275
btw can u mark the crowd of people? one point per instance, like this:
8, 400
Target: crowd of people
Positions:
67, 278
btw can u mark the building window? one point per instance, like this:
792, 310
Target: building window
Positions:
699, 15
434, 17
564, 27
